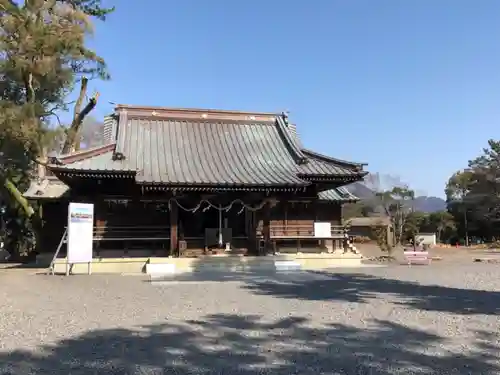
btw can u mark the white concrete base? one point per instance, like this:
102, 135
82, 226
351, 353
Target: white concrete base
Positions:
168, 266
360, 266
158, 270
287, 265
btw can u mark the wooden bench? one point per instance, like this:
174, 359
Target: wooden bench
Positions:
296, 233
417, 257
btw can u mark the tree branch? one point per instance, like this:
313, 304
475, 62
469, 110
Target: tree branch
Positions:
71, 143
18, 196
52, 113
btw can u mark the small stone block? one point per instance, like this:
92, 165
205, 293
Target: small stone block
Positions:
160, 269
286, 265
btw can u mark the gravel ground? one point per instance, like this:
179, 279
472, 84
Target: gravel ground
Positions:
395, 320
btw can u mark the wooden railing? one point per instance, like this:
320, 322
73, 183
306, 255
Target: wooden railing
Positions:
131, 233
301, 231
128, 234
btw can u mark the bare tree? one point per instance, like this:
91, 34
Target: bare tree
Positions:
398, 205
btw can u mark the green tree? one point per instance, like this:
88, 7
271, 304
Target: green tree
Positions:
474, 195
362, 208
457, 193
379, 231
484, 191
44, 56
441, 222
414, 223
92, 8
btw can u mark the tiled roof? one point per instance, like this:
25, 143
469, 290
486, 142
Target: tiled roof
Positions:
319, 167
199, 151
46, 189
86, 154
181, 152
312, 155
340, 194
99, 163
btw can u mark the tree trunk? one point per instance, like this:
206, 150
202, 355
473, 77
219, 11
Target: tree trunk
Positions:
42, 163
390, 250
466, 229
18, 196
72, 137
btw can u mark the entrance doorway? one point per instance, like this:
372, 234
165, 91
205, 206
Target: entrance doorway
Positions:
213, 228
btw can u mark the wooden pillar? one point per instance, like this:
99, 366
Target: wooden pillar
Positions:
285, 216
40, 233
251, 232
346, 239
266, 227
174, 228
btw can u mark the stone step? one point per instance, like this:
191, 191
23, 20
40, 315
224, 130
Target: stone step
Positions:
161, 269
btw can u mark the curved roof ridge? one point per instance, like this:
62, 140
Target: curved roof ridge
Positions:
86, 153
294, 148
86, 150
330, 159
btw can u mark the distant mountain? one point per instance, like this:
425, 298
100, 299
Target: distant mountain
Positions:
360, 190
422, 203
429, 204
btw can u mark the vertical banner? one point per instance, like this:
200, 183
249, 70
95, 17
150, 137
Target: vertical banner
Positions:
80, 232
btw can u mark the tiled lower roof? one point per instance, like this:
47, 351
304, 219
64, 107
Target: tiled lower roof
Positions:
49, 188
99, 163
340, 194
318, 167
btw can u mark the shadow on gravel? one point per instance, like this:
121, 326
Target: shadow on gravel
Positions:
230, 344
362, 288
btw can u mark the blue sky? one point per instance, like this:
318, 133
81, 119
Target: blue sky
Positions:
411, 87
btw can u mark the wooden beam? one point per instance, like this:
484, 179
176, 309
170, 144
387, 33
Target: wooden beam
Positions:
251, 231
266, 227
174, 228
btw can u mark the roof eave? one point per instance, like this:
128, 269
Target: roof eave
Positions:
332, 178
61, 170
339, 200
225, 186
44, 198
330, 159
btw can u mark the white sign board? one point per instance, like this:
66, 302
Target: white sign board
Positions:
322, 229
80, 232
